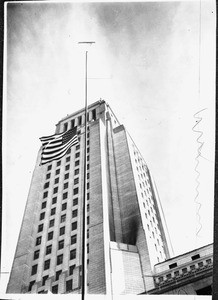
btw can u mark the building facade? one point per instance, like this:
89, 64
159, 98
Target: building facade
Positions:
187, 274
126, 233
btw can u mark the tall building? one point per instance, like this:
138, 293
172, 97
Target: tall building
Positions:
126, 232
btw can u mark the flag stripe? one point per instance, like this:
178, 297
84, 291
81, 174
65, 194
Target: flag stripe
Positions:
58, 149
55, 156
56, 146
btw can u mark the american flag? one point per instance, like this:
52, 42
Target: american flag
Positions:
56, 146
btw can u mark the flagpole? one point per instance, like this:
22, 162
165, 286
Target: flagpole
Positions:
84, 221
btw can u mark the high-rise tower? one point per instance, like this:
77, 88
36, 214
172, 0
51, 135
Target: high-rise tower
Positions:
126, 233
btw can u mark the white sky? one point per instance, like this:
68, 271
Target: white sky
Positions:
154, 69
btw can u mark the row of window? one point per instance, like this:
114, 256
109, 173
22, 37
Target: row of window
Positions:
91, 116
61, 231
185, 270
59, 261
73, 240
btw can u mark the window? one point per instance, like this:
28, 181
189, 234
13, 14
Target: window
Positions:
87, 233
64, 206
56, 180
40, 227
75, 191
192, 267
36, 254
87, 175
76, 180
77, 147
73, 254
174, 265
34, 269
74, 213
43, 205
195, 257
93, 114
168, 276
48, 249
73, 239
65, 195
48, 175
79, 120
58, 273
184, 270
49, 168
30, 285
176, 273
71, 269
46, 185
58, 163
87, 207
200, 264
67, 167
77, 155
51, 223
160, 279
75, 201
87, 166
57, 172
87, 196
76, 163
38, 240
42, 216
209, 261
50, 235
63, 218
87, 248
65, 126
54, 289
54, 200
53, 211
55, 190
72, 123
88, 158
74, 225
69, 151
45, 195
66, 185
47, 264
88, 220
76, 172
66, 176
59, 259
62, 230
44, 279
68, 159
87, 185
69, 285
61, 244
88, 150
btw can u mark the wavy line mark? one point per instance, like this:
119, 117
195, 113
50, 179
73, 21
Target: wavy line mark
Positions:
197, 179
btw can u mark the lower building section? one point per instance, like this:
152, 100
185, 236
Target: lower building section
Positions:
187, 274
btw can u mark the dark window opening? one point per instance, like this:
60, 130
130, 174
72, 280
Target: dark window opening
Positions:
69, 285
50, 235
174, 265
48, 249
195, 257
44, 279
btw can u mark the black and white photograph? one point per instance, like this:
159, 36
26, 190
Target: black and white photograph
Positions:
108, 149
